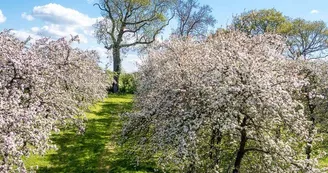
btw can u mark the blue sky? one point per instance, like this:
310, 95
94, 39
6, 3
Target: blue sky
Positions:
59, 18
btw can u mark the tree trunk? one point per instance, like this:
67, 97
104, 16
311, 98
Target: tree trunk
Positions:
116, 68
191, 168
242, 144
215, 140
310, 141
311, 106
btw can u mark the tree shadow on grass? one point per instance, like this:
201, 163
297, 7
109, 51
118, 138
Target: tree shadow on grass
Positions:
97, 150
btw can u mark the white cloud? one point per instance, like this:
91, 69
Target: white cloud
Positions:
62, 22
35, 29
2, 17
314, 12
23, 35
57, 31
54, 30
59, 21
57, 14
27, 16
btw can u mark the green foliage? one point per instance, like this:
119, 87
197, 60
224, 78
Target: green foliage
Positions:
128, 83
307, 39
298, 25
140, 2
161, 17
259, 21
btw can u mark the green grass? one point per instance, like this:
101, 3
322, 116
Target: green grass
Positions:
98, 149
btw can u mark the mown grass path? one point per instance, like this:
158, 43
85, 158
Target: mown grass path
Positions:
95, 151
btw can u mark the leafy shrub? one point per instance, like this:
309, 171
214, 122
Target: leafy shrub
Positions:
128, 83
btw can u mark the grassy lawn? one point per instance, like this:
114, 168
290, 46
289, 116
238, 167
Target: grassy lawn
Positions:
95, 151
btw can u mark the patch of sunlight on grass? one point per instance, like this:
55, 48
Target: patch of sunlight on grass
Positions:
40, 161
95, 151
323, 162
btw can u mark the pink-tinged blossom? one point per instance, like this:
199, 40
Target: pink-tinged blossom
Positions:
227, 103
43, 86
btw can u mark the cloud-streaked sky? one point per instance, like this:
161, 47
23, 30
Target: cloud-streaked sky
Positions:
62, 18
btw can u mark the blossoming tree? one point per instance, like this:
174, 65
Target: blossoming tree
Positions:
314, 98
43, 85
224, 105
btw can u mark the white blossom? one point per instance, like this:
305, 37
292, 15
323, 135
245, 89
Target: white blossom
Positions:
198, 102
43, 86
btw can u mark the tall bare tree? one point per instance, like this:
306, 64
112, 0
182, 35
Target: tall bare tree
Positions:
128, 23
193, 19
307, 39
